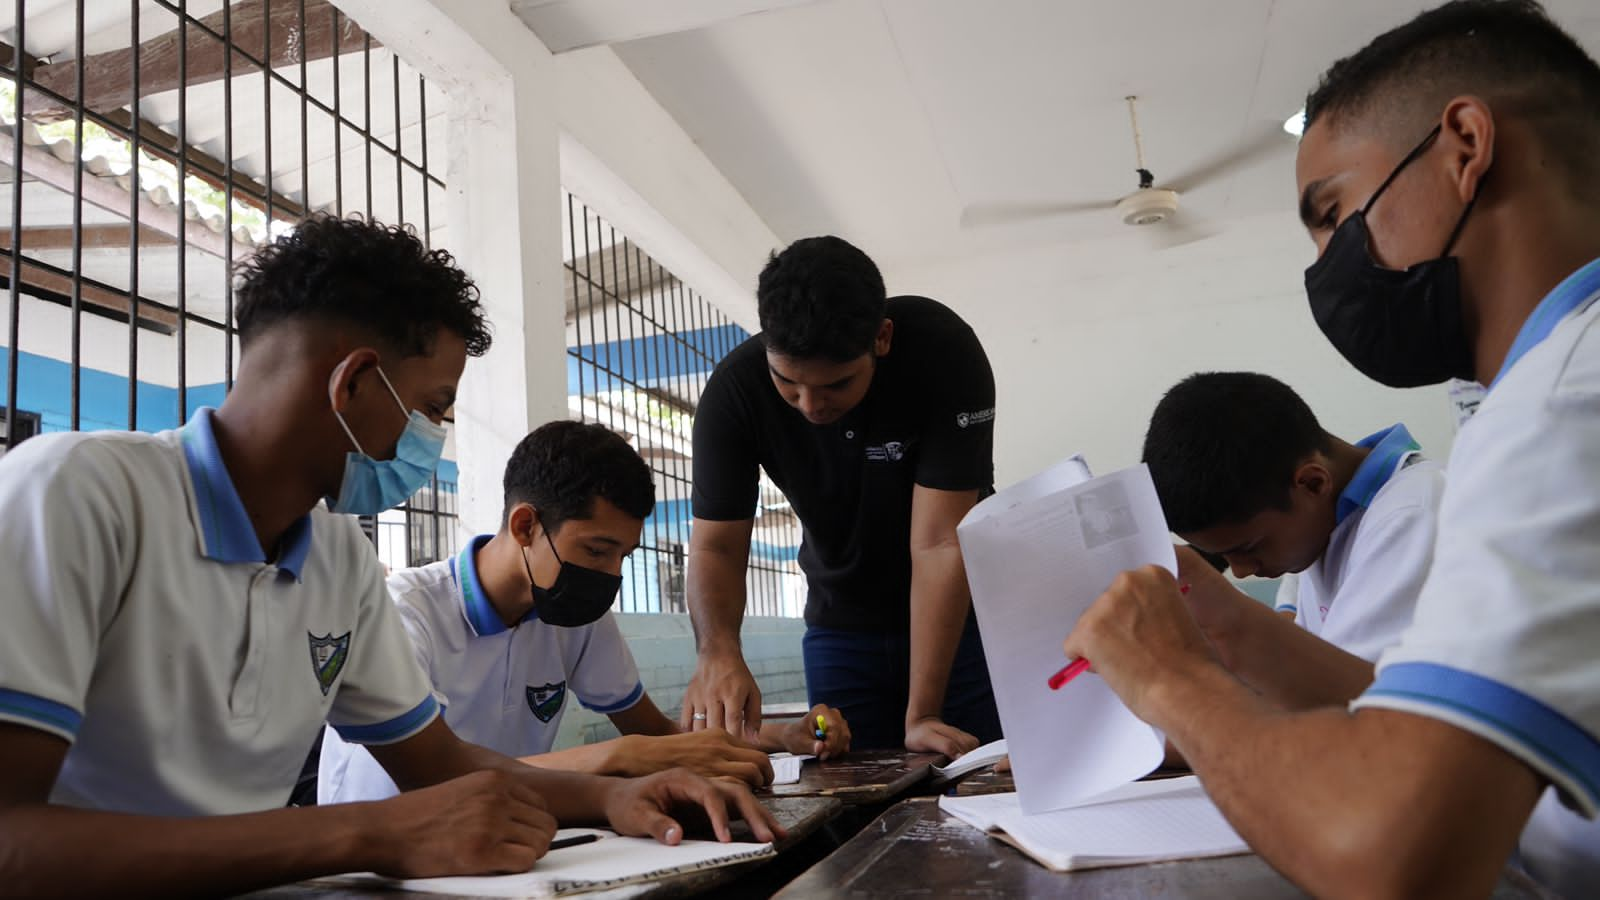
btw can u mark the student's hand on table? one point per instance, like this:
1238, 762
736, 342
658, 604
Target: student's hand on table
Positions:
801, 736
932, 735
484, 823
647, 806
725, 693
1138, 635
713, 753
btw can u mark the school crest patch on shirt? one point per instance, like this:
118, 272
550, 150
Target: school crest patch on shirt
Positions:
546, 700
328, 656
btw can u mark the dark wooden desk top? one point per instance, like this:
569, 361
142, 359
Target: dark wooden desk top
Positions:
869, 776
914, 849
988, 781
802, 816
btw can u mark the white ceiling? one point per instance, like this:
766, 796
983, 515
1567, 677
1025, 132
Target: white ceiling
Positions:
879, 120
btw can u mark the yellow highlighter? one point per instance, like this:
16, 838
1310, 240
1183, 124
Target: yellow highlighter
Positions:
822, 728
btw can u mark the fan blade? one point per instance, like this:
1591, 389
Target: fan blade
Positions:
1256, 146
1181, 229
981, 214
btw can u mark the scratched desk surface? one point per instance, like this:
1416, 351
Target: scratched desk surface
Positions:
866, 777
802, 816
916, 850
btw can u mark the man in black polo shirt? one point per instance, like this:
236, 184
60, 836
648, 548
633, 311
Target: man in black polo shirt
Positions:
876, 418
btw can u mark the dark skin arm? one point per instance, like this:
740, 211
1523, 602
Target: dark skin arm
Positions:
1401, 806
940, 603
480, 824
471, 812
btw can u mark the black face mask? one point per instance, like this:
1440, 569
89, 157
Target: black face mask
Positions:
579, 597
1401, 328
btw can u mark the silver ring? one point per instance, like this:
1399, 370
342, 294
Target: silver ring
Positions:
699, 717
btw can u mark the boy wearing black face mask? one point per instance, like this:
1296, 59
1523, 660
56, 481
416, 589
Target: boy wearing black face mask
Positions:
521, 619
1473, 130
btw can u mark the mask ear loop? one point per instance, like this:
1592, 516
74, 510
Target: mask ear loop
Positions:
1410, 158
397, 401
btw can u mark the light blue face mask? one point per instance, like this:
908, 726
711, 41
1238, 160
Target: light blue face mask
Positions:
371, 485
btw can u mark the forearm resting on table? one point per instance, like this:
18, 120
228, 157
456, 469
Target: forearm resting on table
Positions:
59, 851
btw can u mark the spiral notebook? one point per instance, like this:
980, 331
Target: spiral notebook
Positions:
612, 861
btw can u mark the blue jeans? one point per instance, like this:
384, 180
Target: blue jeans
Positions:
867, 674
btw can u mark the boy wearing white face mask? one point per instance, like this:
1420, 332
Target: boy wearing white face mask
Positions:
181, 615
520, 621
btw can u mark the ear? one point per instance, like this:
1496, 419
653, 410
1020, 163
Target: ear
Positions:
342, 383
1315, 478
880, 344
1467, 128
523, 523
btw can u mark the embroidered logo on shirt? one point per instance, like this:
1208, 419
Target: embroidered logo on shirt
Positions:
546, 700
328, 656
976, 417
889, 451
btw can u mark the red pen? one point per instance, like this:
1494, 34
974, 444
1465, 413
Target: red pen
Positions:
1080, 665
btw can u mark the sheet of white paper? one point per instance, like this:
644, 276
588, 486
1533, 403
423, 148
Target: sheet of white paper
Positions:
608, 862
786, 766
987, 755
1147, 821
1035, 565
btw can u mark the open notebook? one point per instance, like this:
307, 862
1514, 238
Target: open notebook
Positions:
610, 862
987, 755
1142, 822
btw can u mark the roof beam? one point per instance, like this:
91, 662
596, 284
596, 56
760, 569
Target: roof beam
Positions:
564, 25
108, 77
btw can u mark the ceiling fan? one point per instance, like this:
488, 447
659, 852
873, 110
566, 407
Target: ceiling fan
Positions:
1149, 204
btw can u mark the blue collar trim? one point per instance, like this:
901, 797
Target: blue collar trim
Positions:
1572, 293
474, 600
226, 534
1390, 447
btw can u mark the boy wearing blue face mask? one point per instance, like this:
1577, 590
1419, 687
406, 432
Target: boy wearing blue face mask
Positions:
520, 622
182, 615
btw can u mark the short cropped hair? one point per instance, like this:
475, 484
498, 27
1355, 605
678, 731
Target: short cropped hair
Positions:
1506, 51
562, 467
380, 278
1224, 446
821, 298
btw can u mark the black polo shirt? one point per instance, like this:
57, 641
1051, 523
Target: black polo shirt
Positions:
928, 419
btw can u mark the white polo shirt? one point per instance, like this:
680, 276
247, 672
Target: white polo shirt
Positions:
501, 688
142, 622
1360, 593
1505, 642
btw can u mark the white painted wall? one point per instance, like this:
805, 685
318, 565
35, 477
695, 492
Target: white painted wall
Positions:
1084, 339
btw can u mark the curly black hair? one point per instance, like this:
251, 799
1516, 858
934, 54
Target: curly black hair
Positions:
379, 277
821, 298
1223, 446
562, 466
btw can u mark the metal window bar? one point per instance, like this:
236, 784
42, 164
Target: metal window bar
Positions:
641, 345
121, 214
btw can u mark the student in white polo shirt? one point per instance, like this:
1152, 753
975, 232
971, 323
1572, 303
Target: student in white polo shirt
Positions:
1245, 471
1450, 176
519, 624
181, 614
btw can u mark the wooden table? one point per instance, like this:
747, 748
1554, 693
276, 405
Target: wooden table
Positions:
802, 816
988, 781
866, 777
916, 850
